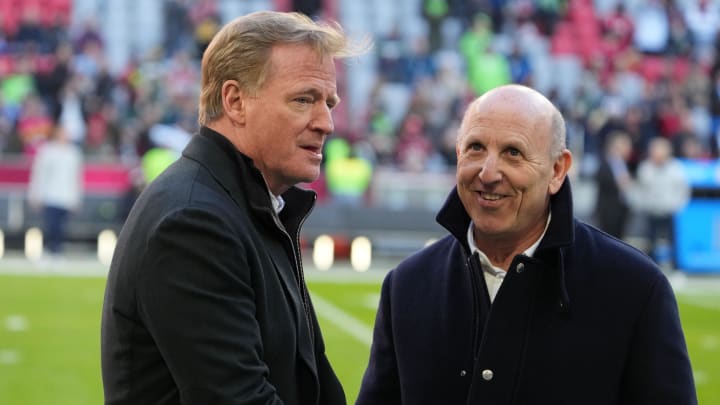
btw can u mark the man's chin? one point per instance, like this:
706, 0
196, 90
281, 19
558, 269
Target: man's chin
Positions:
309, 178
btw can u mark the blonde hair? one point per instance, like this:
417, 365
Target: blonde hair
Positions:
241, 51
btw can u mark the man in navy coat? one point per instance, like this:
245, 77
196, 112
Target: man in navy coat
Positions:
522, 303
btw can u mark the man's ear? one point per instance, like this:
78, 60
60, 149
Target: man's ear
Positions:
233, 99
561, 166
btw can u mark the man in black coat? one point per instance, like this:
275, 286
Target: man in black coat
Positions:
521, 303
613, 180
206, 301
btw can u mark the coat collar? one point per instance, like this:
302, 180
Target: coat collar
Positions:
237, 173
560, 233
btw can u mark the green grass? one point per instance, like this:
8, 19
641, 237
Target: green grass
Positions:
49, 337
55, 360
349, 357
700, 315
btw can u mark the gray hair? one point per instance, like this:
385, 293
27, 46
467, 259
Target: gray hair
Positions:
559, 134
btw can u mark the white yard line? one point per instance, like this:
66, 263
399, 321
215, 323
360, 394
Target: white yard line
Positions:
343, 320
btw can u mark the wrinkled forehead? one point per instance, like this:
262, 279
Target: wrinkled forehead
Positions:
515, 111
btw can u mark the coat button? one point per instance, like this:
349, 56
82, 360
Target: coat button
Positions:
487, 375
520, 267
463, 373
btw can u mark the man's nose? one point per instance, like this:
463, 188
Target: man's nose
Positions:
489, 170
322, 120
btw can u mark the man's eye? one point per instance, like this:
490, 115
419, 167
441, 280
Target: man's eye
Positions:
514, 152
475, 146
304, 100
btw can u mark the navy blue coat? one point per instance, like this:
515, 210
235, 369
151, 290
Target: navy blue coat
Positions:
587, 320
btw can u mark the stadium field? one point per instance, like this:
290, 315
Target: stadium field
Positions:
49, 330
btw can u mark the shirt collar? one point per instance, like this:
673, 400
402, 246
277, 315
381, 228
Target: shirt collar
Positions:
485, 262
277, 202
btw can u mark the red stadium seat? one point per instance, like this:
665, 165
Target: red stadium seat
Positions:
652, 68
6, 65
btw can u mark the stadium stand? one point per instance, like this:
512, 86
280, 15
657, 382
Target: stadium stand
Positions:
588, 56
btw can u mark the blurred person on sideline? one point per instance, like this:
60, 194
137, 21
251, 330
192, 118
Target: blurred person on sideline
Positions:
522, 302
347, 174
662, 189
613, 181
56, 187
206, 301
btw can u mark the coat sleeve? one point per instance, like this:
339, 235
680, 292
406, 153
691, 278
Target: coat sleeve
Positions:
658, 371
196, 298
381, 383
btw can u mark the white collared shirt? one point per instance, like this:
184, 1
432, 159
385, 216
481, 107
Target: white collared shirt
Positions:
277, 202
494, 275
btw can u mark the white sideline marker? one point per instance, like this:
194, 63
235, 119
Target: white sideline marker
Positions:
348, 323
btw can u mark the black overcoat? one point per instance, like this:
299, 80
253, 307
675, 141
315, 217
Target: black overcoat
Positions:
206, 301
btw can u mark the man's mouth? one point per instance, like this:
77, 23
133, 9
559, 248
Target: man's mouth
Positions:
317, 150
490, 196
311, 148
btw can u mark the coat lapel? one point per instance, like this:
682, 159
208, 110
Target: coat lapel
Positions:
244, 184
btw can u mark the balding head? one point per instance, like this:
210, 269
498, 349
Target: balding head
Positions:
527, 103
511, 160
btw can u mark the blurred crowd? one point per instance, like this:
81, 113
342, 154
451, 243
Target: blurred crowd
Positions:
56, 73
647, 68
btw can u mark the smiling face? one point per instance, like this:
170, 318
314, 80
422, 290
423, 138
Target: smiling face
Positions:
285, 123
506, 171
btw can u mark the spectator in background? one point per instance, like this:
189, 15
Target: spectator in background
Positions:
702, 18
477, 38
419, 62
434, 12
619, 26
176, 19
88, 33
56, 33
413, 148
690, 147
34, 125
347, 174
205, 19
311, 8
548, 13
17, 86
661, 190
51, 83
613, 181
7, 135
56, 187
714, 96
72, 111
519, 65
487, 70
30, 34
652, 28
